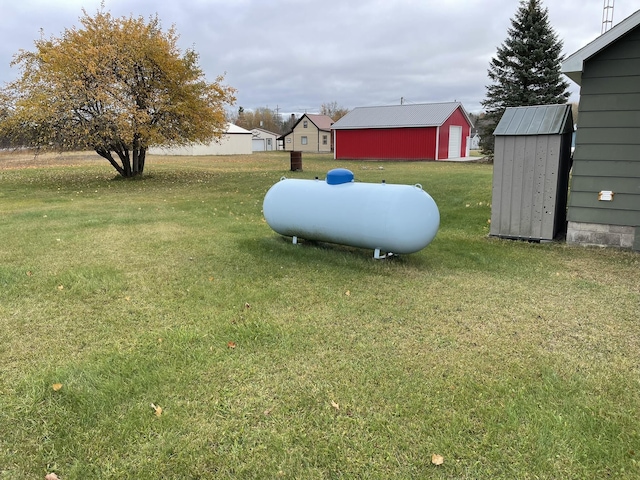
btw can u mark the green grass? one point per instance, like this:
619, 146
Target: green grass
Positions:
509, 359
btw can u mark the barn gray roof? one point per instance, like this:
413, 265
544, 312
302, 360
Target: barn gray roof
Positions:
393, 116
535, 120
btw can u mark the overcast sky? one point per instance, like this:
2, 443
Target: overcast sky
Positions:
295, 55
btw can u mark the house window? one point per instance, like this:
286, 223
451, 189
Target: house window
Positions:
269, 141
303, 140
304, 124
288, 140
324, 139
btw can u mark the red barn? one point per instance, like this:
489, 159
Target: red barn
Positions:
436, 131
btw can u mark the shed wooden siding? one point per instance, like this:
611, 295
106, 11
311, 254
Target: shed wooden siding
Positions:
528, 196
607, 155
456, 119
386, 143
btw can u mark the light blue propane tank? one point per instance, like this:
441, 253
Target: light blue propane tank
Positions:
381, 216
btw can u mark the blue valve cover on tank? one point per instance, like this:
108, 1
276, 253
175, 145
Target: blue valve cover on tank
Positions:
338, 176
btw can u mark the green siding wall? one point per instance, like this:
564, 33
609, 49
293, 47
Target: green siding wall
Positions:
607, 155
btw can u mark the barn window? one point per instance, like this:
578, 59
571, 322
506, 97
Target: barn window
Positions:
304, 124
324, 139
303, 140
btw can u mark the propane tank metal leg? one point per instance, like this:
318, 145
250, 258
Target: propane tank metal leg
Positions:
377, 256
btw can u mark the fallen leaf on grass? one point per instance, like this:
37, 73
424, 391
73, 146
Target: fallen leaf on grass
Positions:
246, 305
231, 345
56, 387
60, 287
335, 405
437, 459
157, 409
29, 273
348, 293
51, 476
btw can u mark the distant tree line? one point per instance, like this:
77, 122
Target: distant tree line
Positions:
333, 110
269, 119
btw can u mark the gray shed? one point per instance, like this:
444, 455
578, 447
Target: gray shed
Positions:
532, 159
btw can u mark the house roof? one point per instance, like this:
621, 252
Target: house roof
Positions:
393, 116
535, 120
323, 122
265, 131
573, 65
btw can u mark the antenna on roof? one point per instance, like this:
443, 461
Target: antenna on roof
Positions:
401, 100
607, 15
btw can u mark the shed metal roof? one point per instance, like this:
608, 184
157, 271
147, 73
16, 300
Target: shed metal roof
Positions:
393, 116
536, 120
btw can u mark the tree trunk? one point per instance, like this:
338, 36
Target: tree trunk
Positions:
142, 156
123, 154
138, 156
103, 152
130, 167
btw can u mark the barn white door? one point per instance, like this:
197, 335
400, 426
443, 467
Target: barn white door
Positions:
455, 141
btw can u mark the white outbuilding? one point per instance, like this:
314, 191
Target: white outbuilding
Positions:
264, 140
236, 141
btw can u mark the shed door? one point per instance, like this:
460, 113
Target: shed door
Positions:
455, 141
257, 145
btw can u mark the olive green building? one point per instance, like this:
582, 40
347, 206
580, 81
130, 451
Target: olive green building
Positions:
604, 199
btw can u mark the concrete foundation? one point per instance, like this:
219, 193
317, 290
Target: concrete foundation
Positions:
596, 234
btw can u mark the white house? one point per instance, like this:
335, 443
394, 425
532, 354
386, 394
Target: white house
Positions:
475, 141
263, 140
236, 141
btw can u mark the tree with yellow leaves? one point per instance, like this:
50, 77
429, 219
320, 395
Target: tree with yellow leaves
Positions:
114, 85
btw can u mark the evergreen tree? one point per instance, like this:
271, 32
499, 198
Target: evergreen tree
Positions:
525, 70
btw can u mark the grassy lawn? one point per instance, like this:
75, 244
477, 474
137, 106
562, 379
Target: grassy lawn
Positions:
270, 360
